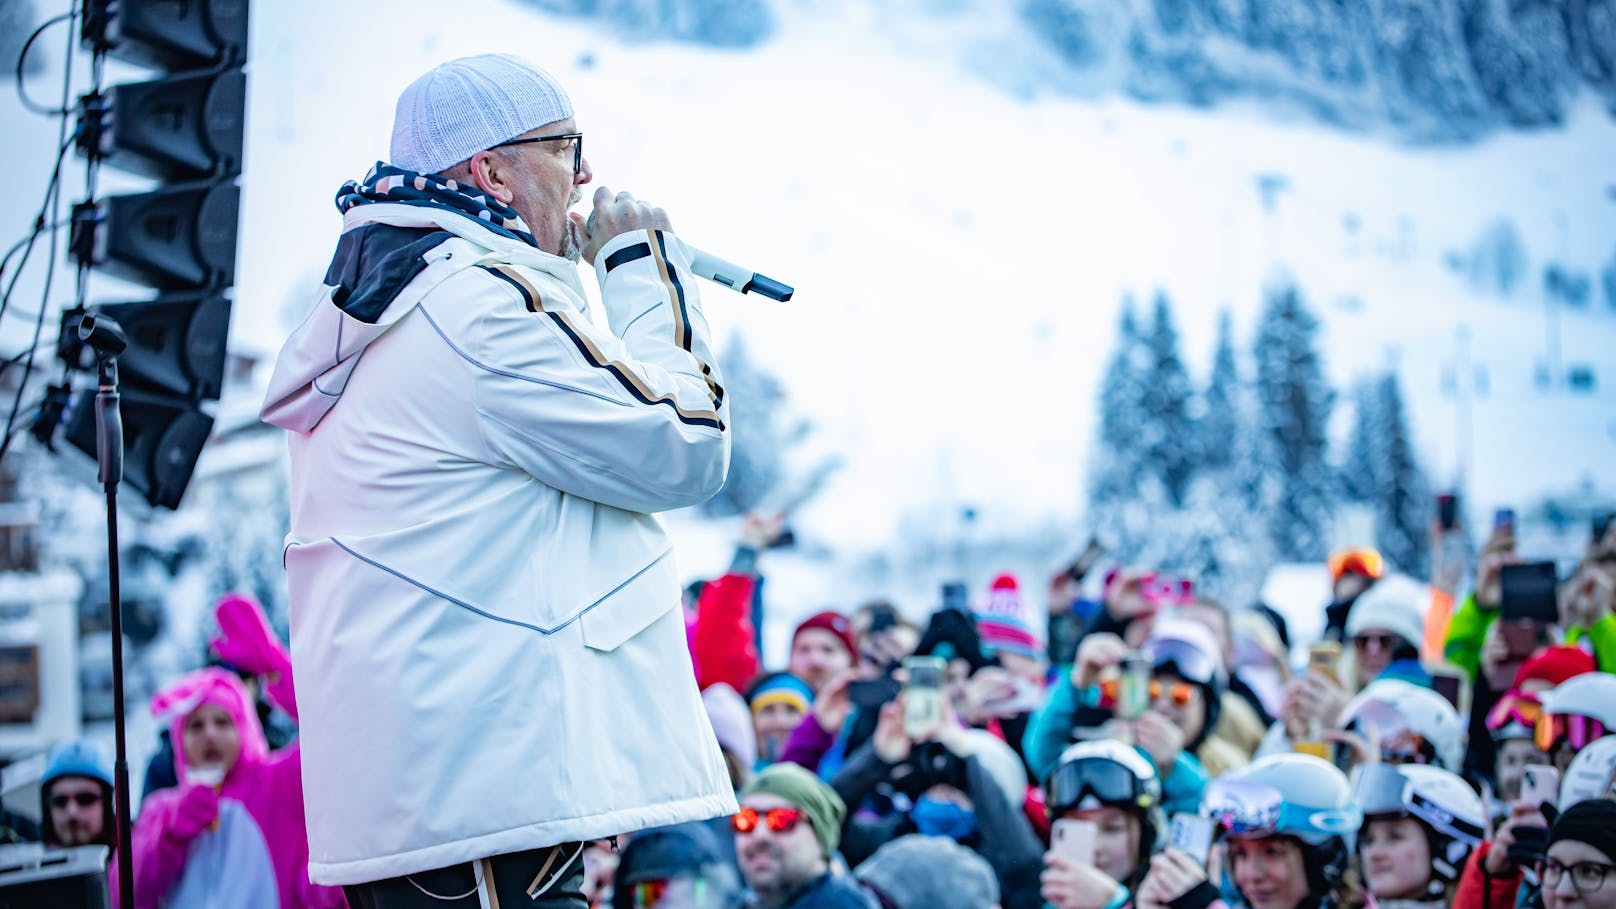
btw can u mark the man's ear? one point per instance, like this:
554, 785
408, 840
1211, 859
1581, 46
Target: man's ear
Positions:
491, 173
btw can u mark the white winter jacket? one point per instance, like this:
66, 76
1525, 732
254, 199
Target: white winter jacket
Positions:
485, 626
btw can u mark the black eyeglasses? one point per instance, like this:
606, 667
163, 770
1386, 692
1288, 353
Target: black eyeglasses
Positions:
82, 799
577, 147
1586, 877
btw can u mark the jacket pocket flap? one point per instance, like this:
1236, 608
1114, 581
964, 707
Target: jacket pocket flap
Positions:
632, 606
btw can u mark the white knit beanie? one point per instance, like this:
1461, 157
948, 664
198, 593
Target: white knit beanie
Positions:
467, 105
1390, 608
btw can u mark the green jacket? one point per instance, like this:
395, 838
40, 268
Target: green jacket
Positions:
1602, 634
1466, 631
1470, 622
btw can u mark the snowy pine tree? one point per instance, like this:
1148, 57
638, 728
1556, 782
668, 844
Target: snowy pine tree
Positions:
1116, 467
1293, 410
1221, 422
756, 430
1171, 447
1380, 470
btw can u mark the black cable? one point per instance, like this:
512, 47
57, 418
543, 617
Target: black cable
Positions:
22, 60
52, 190
49, 213
22, 427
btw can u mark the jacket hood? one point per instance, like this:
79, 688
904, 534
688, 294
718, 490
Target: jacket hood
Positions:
216, 687
390, 255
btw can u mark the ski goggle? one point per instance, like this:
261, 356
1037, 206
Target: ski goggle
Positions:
778, 820
1407, 747
1554, 729
1092, 782
1247, 808
1180, 693
1518, 708
1184, 658
1243, 807
1377, 717
1366, 562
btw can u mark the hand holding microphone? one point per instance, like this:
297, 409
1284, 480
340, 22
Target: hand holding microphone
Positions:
621, 213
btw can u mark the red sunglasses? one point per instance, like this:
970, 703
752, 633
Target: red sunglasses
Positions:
778, 820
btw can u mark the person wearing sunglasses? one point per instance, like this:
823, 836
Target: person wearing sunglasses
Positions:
478, 451
786, 833
1384, 630
1185, 692
75, 796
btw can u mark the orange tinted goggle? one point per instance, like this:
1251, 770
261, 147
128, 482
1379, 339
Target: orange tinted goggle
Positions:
778, 820
1577, 730
1180, 693
1515, 708
1366, 562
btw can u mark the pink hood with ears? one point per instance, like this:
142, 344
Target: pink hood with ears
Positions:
221, 689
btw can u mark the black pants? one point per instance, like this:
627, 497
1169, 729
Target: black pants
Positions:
516, 879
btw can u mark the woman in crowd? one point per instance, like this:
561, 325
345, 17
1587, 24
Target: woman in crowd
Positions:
1420, 824
1186, 684
1113, 787
1285, 822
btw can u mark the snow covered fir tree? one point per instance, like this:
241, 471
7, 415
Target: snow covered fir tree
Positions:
1219, 482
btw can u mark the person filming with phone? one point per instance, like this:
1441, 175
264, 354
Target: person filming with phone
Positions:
924, 772
1162, 699
1104, 800
483, 603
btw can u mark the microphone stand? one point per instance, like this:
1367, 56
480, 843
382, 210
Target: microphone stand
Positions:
106, 337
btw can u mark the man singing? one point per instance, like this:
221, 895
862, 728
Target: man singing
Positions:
490, 658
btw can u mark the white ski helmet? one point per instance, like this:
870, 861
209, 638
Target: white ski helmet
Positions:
1440, 800
1592, 773
1295, 795
1393, 705
1105, 773
1592, 694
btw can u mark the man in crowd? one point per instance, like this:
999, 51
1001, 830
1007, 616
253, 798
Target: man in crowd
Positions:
785, 834
75, 797
482, 603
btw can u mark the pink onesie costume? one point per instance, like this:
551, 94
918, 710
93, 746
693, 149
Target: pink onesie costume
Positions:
243, 843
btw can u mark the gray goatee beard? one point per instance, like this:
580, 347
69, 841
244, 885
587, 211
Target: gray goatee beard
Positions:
572, 242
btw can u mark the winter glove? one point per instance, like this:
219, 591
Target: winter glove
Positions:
245, 639
196, 810
1201, 896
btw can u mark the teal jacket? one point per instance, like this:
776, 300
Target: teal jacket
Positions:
1049, 732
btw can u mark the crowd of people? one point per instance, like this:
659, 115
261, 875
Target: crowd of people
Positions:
1152, 747
1149, 748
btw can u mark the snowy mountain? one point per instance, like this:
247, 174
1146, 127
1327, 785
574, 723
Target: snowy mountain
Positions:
1427, 70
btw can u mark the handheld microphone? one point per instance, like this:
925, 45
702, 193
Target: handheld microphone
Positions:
735, 277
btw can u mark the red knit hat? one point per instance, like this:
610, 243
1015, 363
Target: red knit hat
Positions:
1556, 664
835, 623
